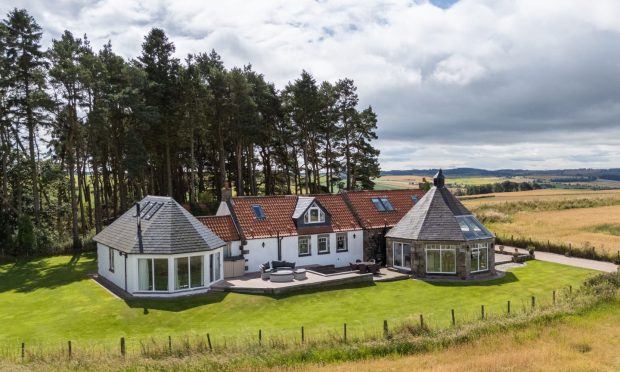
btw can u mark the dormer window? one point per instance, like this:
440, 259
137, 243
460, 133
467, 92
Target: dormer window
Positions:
258, 212
314, 214
382, 204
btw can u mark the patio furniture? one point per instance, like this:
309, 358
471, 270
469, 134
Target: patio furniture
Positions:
374, 268
363, 269
353, 266
300, 274
265, 270
282, 276
282, 265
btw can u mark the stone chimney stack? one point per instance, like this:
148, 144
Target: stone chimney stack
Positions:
226, 192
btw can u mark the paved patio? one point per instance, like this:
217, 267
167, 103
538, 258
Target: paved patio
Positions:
570, 261
252, 283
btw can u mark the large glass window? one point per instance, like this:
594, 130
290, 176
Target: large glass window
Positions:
145, 274
323, 244
441, 258
479, 257
196, 271
216, 266
303, 245
153, 274
402, 255
160, 269
182, 273
341, 242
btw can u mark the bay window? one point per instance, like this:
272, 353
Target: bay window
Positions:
153, 274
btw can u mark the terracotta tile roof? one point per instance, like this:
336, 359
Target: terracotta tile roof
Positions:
370, 217
342, 216
278, 215
222, 226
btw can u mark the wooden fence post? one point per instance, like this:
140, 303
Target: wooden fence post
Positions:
260, 336
169, 344
570, 289
508, 306
209, 342
69, 348
421, 321
482, 311
453, 319
123, 346
385, 329
303, 338
533, 302
345, 332
554, 296
23, 350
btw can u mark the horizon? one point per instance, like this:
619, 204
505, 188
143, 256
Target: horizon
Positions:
478, 84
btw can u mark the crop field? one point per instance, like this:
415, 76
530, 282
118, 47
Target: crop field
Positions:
409, 181
581, 218
577, 343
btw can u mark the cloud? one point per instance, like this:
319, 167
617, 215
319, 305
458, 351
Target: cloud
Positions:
489, 83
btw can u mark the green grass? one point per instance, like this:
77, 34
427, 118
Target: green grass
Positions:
606, 228
52, 300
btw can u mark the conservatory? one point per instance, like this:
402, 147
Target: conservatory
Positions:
159, 249
440, 237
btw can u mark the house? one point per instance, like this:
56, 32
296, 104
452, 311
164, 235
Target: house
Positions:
157, 248
377, 212
307, 230
440, 237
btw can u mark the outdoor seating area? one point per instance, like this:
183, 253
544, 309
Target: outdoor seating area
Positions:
366, 267
281, 272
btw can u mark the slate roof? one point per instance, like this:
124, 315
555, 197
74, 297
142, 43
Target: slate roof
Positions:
439, 216
369, 217
169, 230
222, 226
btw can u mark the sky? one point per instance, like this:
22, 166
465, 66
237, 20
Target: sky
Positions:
492, 84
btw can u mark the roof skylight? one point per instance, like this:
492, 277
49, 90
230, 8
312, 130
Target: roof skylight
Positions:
258, 211
382, 204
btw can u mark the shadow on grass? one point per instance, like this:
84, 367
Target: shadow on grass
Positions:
176, 304
509, 277
27, 276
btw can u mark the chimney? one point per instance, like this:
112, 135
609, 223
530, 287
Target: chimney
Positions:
439, 179
226, 192
139, 222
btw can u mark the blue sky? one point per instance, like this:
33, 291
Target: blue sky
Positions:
474, 83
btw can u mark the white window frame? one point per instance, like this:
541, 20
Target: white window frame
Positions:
152, 259
477, 249
345, 239
189, 273
440, 248
327, 238
400, 246
111, 259
308, 239
320, 215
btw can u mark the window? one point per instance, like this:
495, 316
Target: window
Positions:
441, 259
314, 215
378, 204
341, 242
382, 204
463, 225
258, 211
414, 198
215, 267
189, 272
111, 259
303, 244
479, 257
153, 274
196, 271
323, 244
401, 255
182, 273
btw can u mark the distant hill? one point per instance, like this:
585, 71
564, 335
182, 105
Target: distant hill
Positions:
611, 174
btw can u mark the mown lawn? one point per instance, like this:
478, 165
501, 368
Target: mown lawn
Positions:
49, 301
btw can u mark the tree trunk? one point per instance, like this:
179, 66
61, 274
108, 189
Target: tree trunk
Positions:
239, 159
222, 160
33, 160
95, 182
80, 183
77, 245
168, 167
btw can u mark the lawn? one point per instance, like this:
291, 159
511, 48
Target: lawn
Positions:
49, 301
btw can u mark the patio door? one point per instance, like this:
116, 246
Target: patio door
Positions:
401, 256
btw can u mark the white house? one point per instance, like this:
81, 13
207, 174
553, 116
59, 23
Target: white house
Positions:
307, 230
157, 248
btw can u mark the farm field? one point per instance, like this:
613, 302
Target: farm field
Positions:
557, 220
407, 182
588, 342
49, 301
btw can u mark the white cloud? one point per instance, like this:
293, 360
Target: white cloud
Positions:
518, 75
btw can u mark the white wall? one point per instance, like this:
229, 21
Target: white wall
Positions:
118, 276
259, 254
